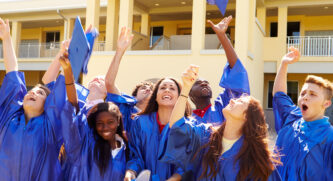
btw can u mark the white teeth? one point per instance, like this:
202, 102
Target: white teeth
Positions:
106, 133
166, 97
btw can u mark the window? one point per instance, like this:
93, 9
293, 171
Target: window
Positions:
155, 34
274, 29
52, 40
293, 29
292, 91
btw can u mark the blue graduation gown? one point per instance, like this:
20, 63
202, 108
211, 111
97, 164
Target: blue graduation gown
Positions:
79, 145
186, 140
235, 83
126, 106
144, 143
306, 147
29, 151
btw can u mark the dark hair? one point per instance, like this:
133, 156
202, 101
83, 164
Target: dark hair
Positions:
47, 90
255, 160
137, 87
102, 147
152, 105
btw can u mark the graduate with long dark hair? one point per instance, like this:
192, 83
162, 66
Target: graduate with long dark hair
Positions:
98, 151
30, 126
148, 129
236, 150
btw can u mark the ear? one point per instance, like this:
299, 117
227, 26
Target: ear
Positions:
327, 103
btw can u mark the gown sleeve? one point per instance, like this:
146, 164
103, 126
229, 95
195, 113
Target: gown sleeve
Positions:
235, 83
185, 141
126, 106
285, 111
136, 162
53, 106
71, 132
12, 92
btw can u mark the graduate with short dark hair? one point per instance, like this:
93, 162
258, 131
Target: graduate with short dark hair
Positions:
30, 126
127, 104
305, 136
234, 81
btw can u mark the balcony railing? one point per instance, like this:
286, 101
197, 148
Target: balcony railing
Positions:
46, 50
38, 50
312, 46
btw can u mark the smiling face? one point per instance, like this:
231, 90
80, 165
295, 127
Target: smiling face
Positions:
34, 100
201, 89
106, 125
236, 108
167, 93
312, 102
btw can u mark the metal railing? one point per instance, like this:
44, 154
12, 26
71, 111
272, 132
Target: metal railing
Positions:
99, 46
312, 46
163, 43
38, 50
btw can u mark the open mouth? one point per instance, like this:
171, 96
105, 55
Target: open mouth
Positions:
304, 107
166, 98
107, 133
32, 99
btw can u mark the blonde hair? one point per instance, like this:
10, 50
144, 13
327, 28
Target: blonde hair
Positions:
324, 83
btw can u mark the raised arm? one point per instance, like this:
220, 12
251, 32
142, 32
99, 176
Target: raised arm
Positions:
188, 77
124, 41
8, 49
220, 30
52, 72
280, 82
69, 80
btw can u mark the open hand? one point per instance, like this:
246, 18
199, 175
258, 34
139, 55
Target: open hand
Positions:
64, 46
222, 26
292, 56
125, 39
64, 61
4, 29
190, 76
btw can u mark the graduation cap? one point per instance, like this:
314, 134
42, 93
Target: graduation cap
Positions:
221, 4
91, 36
80, 48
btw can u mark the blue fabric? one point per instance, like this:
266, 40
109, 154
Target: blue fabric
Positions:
79, 145
144, 143
29, 151
235, 83
126, 106
221, 4
78, 50
306, 147
82, 92
185, 142
91, 36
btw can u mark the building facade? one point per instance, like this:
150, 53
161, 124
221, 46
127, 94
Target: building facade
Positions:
170, 35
